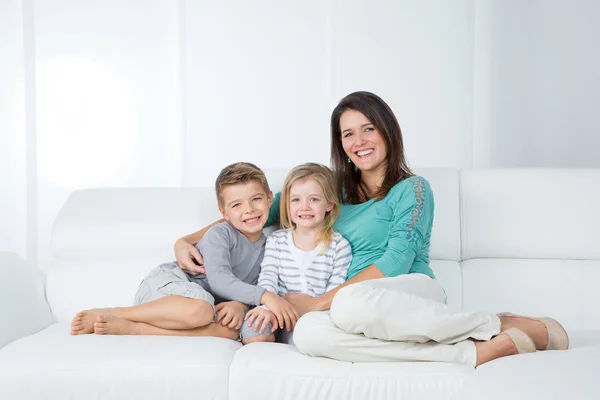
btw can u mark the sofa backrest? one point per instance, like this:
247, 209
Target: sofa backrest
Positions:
531, 242
105, 241
502, 240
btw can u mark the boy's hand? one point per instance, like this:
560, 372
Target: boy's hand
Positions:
261, 317
230, 314
286, 314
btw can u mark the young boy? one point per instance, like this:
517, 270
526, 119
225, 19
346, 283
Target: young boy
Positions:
171, 302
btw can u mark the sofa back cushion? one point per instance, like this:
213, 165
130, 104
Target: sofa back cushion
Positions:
105, 241
531, 213
530, 242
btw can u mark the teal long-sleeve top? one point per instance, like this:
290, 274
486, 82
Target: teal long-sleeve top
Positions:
393, 233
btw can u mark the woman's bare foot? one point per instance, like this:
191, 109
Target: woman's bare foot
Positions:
83, 323
536, 330
111, 325
499, 346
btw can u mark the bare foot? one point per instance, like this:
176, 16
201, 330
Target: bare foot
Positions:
536, 330
218, 330
499, 346
111, 325
83, 323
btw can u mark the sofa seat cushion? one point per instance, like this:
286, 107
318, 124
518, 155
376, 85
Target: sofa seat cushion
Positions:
548, 375
51, 364
279, 371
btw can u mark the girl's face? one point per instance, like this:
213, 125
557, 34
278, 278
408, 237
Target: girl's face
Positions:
362, 142
308, 205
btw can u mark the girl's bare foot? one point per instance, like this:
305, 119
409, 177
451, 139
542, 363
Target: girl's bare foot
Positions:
111, 325
83, 323
536, 330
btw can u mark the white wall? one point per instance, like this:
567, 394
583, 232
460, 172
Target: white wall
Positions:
417, 55
13, 183
566, 83
165, 93
257, 85
109, 99
544, 84
263, 77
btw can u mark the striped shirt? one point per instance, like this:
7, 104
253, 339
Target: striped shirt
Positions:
281, 275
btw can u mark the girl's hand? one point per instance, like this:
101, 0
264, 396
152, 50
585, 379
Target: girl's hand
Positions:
261, 317
230, 314
189, 258
303, 303
286, 314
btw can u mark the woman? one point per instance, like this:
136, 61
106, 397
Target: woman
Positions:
391, 308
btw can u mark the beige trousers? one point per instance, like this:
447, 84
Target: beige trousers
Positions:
404, 318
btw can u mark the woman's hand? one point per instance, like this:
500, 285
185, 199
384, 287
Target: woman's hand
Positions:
189, 258
304, 303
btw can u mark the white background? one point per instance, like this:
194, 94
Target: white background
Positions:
165, 93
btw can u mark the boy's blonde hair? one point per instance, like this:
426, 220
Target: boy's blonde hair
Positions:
324, 177
241, 172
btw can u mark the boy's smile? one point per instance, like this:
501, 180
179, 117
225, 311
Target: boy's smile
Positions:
246, 207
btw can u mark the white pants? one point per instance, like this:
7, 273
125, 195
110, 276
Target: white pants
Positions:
404, 318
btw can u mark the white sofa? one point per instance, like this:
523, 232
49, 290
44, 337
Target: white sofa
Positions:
524, 240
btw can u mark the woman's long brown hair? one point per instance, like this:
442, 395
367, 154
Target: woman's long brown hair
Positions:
348, 177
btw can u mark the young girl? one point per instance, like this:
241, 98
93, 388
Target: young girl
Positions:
307, 256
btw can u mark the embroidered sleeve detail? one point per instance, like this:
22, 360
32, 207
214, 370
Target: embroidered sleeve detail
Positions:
419, 189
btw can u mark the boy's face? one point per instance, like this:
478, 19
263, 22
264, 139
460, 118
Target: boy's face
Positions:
246, 206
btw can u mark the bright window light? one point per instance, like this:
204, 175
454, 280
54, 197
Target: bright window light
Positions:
86, 122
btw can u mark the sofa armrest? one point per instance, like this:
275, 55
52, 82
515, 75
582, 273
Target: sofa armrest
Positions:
23, 306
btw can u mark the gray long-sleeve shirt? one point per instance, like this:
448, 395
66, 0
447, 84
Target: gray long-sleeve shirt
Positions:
232, 264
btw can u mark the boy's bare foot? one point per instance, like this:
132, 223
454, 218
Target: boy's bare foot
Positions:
111, 325
218, 330
83, 323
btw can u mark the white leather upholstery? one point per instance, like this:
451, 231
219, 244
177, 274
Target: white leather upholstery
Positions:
24, 309
279, 371
526, 241
445, 237
531, 213
54, 365
549, 375
565, 289
449, 275
110, 224
80, 284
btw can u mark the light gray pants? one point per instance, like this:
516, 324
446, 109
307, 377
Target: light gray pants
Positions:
404, 318
170, 280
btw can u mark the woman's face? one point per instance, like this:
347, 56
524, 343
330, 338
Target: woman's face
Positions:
362, 142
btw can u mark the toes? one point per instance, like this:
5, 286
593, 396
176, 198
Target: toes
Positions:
100, 318
99, 328
76, 328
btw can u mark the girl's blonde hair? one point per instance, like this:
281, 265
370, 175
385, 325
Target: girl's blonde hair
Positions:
324, 177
